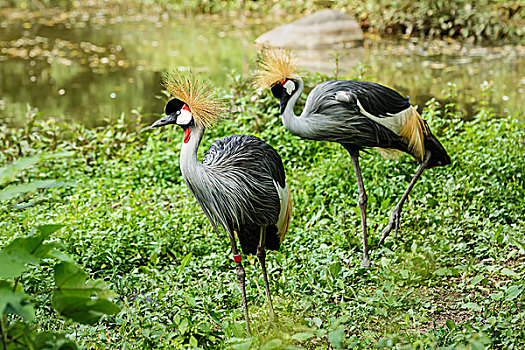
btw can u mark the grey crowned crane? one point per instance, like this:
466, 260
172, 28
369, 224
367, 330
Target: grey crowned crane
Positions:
240, 184
357, 115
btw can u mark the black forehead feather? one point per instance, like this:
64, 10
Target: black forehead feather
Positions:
173, 106
277, 90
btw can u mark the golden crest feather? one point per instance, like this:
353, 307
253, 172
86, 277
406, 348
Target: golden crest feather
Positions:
274, 65
196, 93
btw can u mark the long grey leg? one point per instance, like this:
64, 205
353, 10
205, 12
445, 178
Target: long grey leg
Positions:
261, 255
354, 153
241, 275
395, 219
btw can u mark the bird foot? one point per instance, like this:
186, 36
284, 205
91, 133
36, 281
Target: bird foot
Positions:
394, 223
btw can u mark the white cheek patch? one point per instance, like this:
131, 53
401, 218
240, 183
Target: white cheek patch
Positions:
184, 117
289, 86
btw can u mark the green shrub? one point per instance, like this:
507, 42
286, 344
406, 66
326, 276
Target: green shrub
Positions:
74, 296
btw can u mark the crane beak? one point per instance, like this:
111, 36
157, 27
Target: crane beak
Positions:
169, 119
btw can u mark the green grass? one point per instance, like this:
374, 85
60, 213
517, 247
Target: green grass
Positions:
452, 279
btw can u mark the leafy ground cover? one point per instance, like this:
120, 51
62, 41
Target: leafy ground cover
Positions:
453, 278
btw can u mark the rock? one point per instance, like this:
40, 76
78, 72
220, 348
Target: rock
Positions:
323, 60
320, 30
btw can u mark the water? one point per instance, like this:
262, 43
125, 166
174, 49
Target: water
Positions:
93, 67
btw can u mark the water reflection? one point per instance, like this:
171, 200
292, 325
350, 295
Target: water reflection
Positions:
97, 67
96, 72
423, 71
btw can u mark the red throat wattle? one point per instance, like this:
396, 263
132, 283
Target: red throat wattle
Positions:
186, 135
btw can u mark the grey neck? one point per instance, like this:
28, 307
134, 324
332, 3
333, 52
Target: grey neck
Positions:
188, 154
292, 122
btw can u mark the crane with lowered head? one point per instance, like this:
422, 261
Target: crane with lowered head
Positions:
356, 114
240, 184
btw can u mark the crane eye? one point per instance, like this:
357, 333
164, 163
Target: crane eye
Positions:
184, 117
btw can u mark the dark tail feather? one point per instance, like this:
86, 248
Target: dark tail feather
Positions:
272, 238
249, 238
438, 154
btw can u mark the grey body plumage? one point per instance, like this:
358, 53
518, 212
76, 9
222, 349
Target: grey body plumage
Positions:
332, 114
235, 186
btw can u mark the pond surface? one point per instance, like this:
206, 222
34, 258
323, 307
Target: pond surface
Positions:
97, 66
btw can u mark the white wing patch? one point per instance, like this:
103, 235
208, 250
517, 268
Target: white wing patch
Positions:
343, 96
394, 122
283, 198
408, 124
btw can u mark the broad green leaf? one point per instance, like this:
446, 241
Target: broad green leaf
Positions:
193, 342
496, 296
15, 303
14, 262
517, 243
183, 326
381, 343
53, 341
243, 346
513, 292
508, 272
34, 245
450, 324
9, 172
216, 317
385, 203
83, 309
335, 268
476, 279
13, 191
184, 263
10, 285
48, 229
442, 271
21, 252
317, 321
15, 258
273, 344
472, 306
477, 345
79, 298
336, 338
57, 254
191, 302
302, 336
